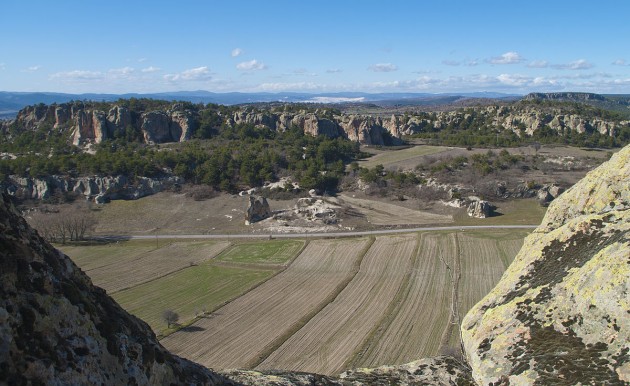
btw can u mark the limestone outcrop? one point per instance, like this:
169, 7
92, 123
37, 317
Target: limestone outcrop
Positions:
56, 328
479, 209
98, 188
257, 210
560, 314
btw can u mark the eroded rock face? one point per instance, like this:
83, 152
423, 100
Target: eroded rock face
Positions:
57, 328
257, 210
560, 314
98, 188
479, 209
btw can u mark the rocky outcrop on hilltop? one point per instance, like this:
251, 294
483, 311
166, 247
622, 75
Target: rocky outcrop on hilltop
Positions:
560, 314
57, 328
520, 119
100, 189
364, 129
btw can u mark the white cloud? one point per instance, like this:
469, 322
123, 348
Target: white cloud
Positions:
620, 62
237, 52
383, 67
538, 64
31, 68
150, 69
142, 60
78, 75
507, 58
124, 72
334, 70
580, 64
514, 79
252, 65
3, 66
193, 74
451, 62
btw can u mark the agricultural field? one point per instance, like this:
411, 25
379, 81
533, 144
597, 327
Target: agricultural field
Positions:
400, 159
322, 305
326, 342
188, 289
402, 301
246, 330
133, 270
420, 315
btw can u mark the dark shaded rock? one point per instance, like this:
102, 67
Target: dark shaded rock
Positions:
57, 328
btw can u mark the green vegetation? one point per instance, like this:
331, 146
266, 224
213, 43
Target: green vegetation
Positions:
269, 252
189, 292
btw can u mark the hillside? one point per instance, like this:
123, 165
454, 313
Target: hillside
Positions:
558, 316
233, 148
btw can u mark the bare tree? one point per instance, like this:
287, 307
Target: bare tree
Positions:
170, 317
67, 223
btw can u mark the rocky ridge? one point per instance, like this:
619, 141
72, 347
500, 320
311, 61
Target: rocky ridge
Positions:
86, 124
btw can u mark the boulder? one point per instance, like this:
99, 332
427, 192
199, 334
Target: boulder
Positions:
257, 210
559, 314
479, 209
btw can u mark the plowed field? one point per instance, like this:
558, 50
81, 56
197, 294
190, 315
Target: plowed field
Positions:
243, 332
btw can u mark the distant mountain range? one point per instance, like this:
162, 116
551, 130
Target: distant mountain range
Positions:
12, 102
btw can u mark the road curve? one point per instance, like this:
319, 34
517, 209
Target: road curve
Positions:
315, 234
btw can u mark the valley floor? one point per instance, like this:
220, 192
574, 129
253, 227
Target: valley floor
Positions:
320, 305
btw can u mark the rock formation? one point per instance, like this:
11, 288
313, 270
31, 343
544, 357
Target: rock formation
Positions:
57, 328
479, 209
98, 188
560, 314
257, 210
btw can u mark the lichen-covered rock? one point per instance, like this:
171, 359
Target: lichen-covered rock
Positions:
442, 370
432, 371
56, 328
561, 312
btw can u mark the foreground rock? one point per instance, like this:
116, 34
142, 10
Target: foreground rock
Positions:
561, 312
57, 328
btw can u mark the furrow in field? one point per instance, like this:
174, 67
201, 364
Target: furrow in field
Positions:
481, 268
153, 265
331, 338
415, 328
243, 331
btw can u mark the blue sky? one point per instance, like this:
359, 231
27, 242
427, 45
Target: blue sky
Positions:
315, 46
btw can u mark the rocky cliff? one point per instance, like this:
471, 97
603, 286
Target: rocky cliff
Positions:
56, 328
561, 312
100, 189
86, 123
